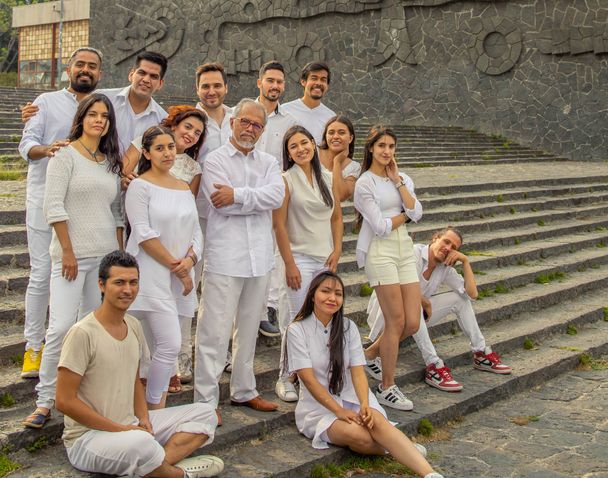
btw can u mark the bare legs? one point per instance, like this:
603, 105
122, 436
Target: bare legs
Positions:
177, 448
382, 437
400, 305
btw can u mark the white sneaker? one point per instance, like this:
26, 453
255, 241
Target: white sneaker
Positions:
421, 449
228, 366
201, 466
433, 475
286, 391
374, 368
393, 397
184, 366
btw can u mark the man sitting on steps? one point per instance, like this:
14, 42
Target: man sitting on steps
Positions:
434, 263
108, 428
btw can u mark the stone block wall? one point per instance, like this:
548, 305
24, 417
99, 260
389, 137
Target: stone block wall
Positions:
533, 70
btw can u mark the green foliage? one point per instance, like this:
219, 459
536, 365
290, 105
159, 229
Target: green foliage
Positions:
16, 360
517, 242
550, 277
365, 290
601, 244
425, 427
39, 444
11, 175
571, 330
481, 293
423, 165
499, 198
584, 359
512, 210
605, 314
7, 465
480, 253
525, 195
358, 464
8, 78
529, 344
500, 288
540, 222
6, 400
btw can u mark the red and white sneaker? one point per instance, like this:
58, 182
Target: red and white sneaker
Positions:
440, 376
489, 361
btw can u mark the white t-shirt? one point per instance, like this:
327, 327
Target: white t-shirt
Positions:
313, 119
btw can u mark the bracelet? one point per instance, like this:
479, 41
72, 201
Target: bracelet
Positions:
400, 185
192, 257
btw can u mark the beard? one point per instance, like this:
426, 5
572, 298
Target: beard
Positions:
83, 87
244, 144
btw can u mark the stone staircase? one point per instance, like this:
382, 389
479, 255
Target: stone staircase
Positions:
537, 236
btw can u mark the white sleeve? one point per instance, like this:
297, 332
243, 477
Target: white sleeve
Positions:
414, 214
137, 204
33, 132
365, 203
355, 349
298, 354
58, 174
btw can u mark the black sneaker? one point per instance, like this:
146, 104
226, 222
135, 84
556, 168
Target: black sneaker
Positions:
269, 330
272, 316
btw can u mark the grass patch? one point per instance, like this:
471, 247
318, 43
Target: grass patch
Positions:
516, 241
7, 465
534, 209
584, 360
486, 157
365, 290
540, 222
482, 293
600, 228
529, 343
7, 195
512, 210
360, 464
550, 277
480, 253
524, 420
6, 400
499, 198
569, 349
39, 444
571, 330
16, 360
600, 244
500, 288
423, 165
11, 176
479, 273
425, 427
595, 266
605, 310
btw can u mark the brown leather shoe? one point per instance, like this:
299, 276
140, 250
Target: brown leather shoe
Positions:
257, 403
219, 417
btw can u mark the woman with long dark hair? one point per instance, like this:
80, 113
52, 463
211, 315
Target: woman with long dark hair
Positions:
308, 229
82, 204
385, 199
166, 239
336, 153
336, 405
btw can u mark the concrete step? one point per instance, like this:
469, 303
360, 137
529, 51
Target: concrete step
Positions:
249, 438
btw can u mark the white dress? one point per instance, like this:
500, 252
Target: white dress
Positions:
171, 216
307, 347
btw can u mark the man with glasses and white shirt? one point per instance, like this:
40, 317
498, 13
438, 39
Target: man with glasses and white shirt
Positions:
243, 186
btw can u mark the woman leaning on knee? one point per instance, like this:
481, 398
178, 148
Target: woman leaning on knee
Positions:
384, 199
308, 229
336, 405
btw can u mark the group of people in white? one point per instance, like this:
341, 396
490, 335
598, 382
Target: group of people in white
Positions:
143, 205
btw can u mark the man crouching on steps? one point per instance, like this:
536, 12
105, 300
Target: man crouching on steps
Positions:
108, 428
435, 265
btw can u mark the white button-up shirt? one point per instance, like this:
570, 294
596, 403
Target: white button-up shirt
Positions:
131, 125
271, 140
313, 119
51, 123
239, 240
442, 274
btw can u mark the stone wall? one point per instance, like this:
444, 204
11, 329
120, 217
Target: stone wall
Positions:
532, 70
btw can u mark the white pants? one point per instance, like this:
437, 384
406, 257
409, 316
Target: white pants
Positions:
136, 452
164, 338
69, 301
226, 303
37, 294
309, 269
442, 305
277, 275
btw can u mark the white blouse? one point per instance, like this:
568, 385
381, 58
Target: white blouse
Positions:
308, 217
377, 199
169, 215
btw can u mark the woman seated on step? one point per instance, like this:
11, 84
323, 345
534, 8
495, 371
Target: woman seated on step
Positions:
336, 405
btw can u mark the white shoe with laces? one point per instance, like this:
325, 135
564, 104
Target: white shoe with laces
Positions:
184, 365
433, 475
393, 397
201, 466
286, 391
373, 368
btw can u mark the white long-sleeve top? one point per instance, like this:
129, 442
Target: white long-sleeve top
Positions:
51, 123
378, 200
86, 195
239, 241
313, 119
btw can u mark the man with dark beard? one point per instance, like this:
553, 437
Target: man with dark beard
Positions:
42, 136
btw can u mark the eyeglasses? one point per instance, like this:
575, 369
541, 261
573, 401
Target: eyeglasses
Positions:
245, 123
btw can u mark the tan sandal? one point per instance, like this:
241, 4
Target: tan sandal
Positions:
175, 385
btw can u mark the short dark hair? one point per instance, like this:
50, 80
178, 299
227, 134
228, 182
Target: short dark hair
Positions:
86, 48
115, 258
214, 66
446, 229
153, 57
271, 65
315, 66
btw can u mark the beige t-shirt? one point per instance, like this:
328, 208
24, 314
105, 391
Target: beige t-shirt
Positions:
108, 368
308, 217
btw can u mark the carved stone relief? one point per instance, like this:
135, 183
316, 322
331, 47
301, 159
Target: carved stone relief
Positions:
495, 46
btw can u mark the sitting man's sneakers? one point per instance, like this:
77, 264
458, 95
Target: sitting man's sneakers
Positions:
184, 363
268, 327
373, 368
201, 466
393, 397
31, 363
489, 361
438, 375
37, 419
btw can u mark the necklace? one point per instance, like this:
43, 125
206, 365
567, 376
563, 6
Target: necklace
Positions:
92, 153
